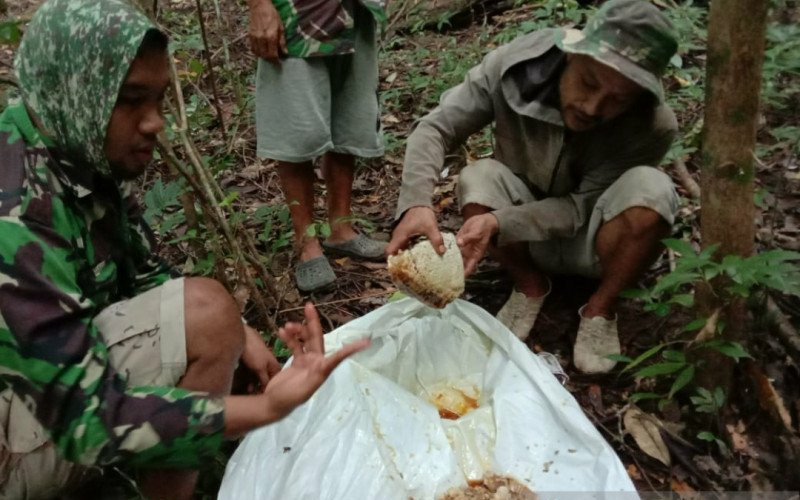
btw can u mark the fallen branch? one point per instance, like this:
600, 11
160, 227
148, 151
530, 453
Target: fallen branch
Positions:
783, 327
686, 179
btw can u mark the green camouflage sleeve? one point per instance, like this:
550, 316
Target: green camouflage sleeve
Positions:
151, 271
53, 358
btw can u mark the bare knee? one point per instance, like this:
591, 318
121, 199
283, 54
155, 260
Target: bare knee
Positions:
213, 322
641, 225
643, 222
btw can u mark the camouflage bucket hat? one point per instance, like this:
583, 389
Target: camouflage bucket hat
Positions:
631, 36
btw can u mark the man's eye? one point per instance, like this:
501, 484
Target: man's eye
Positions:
589, 84
129, 99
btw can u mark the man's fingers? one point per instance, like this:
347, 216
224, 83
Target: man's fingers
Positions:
289, 336
399, 241
435, 236
337, 357
313, 329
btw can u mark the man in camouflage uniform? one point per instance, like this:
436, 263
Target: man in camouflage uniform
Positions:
316, 97
579, 124
104, 357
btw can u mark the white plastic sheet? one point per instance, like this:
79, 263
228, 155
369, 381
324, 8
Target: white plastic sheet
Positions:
370, 431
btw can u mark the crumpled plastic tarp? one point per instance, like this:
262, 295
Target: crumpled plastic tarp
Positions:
370, 432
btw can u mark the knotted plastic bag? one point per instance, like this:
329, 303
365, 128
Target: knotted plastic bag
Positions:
382, 427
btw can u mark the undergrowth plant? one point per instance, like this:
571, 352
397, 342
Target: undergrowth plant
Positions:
669, 368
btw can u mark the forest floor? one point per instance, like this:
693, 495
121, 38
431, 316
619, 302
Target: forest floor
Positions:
418, 62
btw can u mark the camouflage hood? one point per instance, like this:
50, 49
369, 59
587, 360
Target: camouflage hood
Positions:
71, 63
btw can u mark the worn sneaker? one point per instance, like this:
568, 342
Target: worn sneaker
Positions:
520, 311
597, 338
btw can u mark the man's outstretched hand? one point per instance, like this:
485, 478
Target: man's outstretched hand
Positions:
473, 239
416, 221
310, 367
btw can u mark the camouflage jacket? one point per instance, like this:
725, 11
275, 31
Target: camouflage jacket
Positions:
70, 248
73, 243
323, 27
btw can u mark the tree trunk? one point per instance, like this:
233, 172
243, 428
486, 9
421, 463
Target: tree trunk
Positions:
733, 80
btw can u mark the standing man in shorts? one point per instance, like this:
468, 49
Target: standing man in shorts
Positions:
316, 97
579, 125
106, 357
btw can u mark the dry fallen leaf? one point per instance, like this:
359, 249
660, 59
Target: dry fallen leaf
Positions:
709, 330
680, 486
739, 440
633, 472
596, 399
645, 430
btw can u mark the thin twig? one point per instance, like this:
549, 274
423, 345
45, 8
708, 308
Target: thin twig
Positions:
214, 213
232, 42
340, 301
211, 73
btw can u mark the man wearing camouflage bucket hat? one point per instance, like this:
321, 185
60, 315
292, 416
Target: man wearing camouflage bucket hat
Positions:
106, 357
579, 125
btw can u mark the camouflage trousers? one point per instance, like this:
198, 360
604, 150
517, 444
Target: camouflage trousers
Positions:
147, 345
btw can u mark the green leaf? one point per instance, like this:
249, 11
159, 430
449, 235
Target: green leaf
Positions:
643, 396
172, 221
190, 234
619, 358
708, 252
681, 247
635, 293
681, 380
196, 67
10, 33
719, 397
398, 295
695, 325
733, 350
229, 199
324, 230
659, 369
281, 350
684, 299
674, 280
706, 436
644, 356
671, 355
661, 309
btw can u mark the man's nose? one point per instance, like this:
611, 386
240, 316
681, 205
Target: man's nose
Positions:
592, 105
152, 122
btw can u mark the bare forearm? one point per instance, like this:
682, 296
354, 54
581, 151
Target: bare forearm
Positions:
245, 413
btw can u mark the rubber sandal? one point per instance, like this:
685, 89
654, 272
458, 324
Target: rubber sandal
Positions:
314, 274
360, 247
